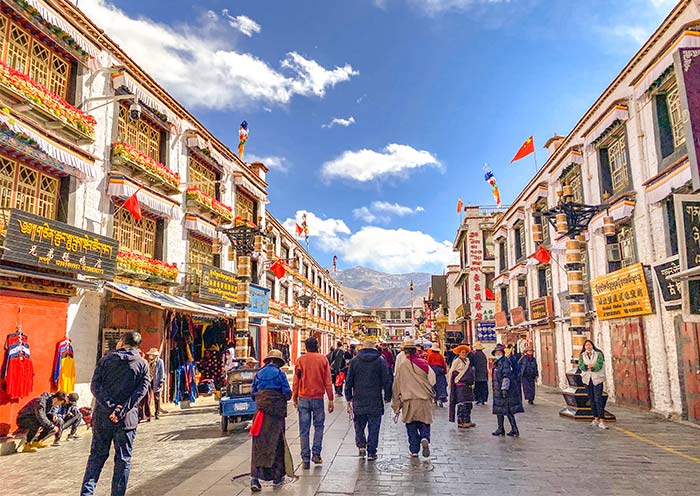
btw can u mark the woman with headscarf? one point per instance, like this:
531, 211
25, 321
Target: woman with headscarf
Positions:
461, 379
591, 364
271, 459
528, 371
507, 397
439, 365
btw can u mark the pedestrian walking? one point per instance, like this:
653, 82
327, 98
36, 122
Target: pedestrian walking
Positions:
270, 457
481, 371
461, 378
119, 383
507, 397
156, 368
591, 363
37, 419
312, 379
337, 364
367, 388
439, 365
388, 356
412, 395
527, 368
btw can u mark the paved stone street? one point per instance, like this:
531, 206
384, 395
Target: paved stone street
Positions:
184, 454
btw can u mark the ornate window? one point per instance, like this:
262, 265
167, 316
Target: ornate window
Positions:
28, 189
137, 236
617, 158
625, 236
141, 134
676, 116
40, 68
245, 209
202, 177
573, 179
200, 252
18, 48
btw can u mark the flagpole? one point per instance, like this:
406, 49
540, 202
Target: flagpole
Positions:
534, 154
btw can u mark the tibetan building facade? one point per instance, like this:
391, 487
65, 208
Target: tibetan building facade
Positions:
83, 129
632, 156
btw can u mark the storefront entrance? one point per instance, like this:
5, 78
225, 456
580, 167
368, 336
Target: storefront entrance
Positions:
689, 367
630, 365
549, 365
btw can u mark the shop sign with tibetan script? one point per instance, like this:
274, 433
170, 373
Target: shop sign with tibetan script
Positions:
218, 285
687, 209
670, 289
541, 308
621, 294
49, 244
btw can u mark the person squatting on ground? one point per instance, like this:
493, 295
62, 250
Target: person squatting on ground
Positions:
119, 383
65, 416
270, 457
481, 368
37, 419
461, 378
527, 367
367, 388
413, 395
439, 365
507, 397
312, 379
591, 363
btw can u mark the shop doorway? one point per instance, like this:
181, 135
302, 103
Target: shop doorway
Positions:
689, 367
629, 361
547, 357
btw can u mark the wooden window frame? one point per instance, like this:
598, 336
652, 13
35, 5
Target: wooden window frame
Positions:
134, 236
202, 176
200, 251
40, 199
143, 135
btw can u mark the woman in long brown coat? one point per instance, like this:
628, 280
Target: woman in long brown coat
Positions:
461, 380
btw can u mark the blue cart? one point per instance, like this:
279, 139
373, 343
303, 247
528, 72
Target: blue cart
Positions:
237, 405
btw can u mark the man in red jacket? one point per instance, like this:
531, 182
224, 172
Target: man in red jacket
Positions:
312, 379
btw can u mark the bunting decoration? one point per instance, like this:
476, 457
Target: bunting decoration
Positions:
242, 138
305, 227
491, 180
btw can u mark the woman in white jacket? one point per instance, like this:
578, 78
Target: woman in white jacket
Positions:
591, 363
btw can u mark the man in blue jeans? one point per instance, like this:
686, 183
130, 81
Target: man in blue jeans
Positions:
119, 383
312, 379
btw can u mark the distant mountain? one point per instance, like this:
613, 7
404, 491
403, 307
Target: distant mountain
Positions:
365, 287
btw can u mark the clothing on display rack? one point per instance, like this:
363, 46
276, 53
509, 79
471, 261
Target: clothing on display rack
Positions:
17, 367
182, 364
64, 367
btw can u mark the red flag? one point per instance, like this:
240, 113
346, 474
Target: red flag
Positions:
300, 230
525, 150
459, 205
278, 269
542, 255
489, 294
132, 205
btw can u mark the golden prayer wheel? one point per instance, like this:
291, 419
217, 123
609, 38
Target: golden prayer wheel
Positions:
578, 314
242, 320
242, 346
215, 246
537, 233
608, 226
577, 341
259, 243
573, 251
231, 254
575, 279
562, 224
244, 267
243, 294
270, 250
567, 191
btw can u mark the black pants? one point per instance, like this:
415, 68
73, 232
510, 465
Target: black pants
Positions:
481, 391
156, 402
595, 395
370, 441
32, 425
511, 419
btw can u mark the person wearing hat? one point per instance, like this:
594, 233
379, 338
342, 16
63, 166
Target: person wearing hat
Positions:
527, 368
461, 378
507, 397
413, 395
270, 458
439, 365
156, 368
367, 388
481, 370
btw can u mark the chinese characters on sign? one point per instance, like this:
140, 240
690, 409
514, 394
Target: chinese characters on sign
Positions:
49, 244
477, 289
621, 294
218, 285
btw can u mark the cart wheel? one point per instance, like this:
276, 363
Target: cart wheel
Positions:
224, 424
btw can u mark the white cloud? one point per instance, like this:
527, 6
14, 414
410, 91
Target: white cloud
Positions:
242, 23
272, 162
340, 122
636, 34
389, 250
198, 64
381, 212
439, 6
365, 165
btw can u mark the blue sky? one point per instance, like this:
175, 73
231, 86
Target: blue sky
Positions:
423, 93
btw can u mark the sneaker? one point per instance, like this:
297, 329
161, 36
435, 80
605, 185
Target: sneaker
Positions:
74, 437
56, 443
601, 425
317, 459
255, 485
371, 458
28, 448
426, 447
362, 453
306, 465
594, 423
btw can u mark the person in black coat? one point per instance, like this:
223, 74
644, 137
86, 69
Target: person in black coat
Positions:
481, 368
527, 368
119, 383
37, 419
368, 379
507, 397
338, 363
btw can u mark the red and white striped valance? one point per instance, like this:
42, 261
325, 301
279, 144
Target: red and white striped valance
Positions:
160, 206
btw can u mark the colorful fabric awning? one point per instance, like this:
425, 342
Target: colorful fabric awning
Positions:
52, 18
663, 187
252, 189
621, 210
199, 225
618, 112
573, 156
159, 299
161, 206
63, 161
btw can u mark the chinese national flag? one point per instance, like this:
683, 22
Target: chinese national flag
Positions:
459, 205
542, 255
525, 150
300, 230
132, 205
278, 269
489, 294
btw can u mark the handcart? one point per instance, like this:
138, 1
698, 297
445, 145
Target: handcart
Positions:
237, 405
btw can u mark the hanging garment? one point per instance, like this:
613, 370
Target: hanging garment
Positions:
64, 367
17, 369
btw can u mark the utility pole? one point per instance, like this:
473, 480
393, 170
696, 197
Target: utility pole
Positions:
413, 323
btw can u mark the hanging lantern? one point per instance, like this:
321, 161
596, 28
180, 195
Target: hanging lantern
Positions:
578, 314
537, 233
243, 265
562, 224
259, 243
573, 252
243, 294
609, 226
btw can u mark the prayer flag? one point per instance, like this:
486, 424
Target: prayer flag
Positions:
242, 138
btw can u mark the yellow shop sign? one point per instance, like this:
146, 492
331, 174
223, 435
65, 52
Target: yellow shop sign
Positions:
621, 294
